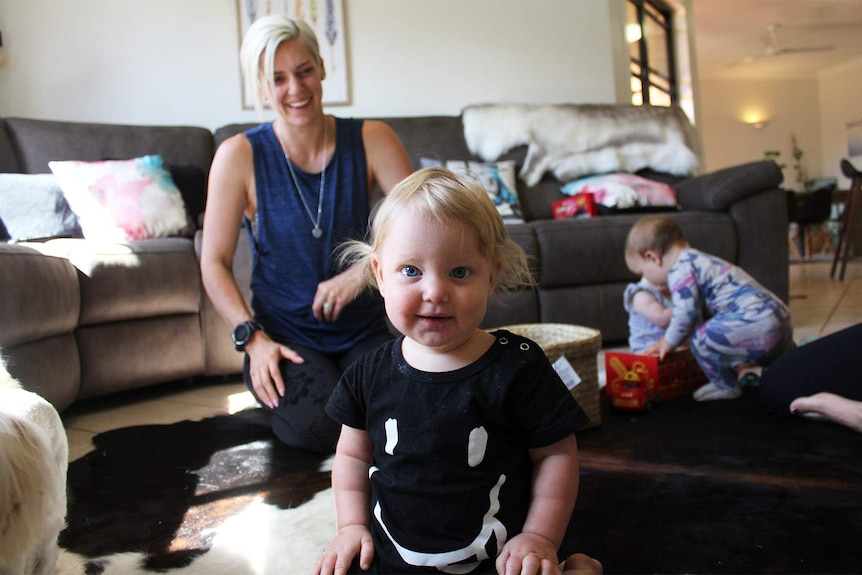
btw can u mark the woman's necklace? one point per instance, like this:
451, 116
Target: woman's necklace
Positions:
315, 231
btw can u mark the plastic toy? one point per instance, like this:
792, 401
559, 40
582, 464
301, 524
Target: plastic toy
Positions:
638, 382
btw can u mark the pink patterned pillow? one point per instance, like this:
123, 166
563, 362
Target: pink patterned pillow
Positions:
623, 190
121, 200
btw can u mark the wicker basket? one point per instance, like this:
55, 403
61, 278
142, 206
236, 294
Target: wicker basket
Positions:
581, 346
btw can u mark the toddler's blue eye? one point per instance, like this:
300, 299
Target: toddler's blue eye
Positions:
410, 271
460, 273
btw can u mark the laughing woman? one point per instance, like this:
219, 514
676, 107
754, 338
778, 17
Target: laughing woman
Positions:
299, 186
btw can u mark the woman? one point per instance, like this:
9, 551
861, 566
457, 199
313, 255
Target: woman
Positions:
818, 380
300, 186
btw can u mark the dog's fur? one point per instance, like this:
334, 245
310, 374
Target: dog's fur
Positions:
571, 140
34, 454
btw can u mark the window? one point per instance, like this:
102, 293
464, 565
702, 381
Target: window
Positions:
652, 69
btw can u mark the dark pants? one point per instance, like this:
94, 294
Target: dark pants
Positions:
300, 420
826, 364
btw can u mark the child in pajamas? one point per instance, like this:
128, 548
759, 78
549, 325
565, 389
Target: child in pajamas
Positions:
730, 321
650, 310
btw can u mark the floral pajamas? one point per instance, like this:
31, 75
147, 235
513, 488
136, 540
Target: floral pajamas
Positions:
729, 318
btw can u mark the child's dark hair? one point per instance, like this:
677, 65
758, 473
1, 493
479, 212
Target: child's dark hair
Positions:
653, 233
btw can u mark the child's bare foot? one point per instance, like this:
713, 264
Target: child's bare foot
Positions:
830, 407
580, 564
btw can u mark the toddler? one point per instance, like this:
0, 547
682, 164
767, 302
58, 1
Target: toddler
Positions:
650, 310
457, 451
730, 321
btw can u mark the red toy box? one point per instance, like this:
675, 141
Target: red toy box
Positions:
637, 381
580, 205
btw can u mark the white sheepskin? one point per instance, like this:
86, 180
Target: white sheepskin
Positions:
573, 140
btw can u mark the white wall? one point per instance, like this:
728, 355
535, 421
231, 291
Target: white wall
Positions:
840, 103
174, 62
792, 107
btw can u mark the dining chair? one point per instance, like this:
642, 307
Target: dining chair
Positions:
810, 211
849, 218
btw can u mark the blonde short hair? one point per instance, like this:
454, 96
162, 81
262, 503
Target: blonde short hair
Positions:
258, 48
440, 195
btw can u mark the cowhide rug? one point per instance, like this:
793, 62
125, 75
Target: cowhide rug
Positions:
210, 497
712, 487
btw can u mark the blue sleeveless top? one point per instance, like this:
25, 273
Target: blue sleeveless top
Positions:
643, 332
288, 262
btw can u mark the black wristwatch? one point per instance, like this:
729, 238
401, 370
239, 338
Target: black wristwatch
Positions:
243, 333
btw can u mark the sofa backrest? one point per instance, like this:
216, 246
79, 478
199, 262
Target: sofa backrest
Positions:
8, 159
26, 147
37, 142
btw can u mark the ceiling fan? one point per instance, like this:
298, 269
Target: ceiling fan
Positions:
772, 47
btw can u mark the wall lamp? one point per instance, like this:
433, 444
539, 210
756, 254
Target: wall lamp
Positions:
757, 124
754, 118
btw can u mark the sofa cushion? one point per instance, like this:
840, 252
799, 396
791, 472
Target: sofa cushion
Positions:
718, 190
125, 355
32, 207
591, 251
192, 183
37, 142
119, 282
123, 199
8, 158
41, 295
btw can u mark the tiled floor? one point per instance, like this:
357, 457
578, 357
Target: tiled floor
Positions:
818, 305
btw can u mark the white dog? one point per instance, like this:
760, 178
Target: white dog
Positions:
34, 454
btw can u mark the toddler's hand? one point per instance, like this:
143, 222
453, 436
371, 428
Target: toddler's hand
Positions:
349, 541
659, 348
528, 554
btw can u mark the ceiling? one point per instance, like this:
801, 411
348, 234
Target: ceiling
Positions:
729, 31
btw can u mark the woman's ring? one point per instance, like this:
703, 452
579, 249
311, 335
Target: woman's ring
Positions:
327, 307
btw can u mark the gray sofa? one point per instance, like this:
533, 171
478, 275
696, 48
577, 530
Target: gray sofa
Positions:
81, 319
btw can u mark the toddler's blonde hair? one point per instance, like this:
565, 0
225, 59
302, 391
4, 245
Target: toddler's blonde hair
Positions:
437, 194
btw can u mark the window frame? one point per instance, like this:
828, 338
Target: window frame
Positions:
644, 11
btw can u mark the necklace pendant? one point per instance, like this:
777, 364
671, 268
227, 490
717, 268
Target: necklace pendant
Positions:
316, 232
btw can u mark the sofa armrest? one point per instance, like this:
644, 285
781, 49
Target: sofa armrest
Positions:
717, 191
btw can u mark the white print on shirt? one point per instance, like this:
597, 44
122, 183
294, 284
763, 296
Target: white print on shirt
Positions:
476, 446
452, 561
391, 435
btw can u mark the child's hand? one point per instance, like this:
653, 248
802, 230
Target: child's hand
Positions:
349, 541
528, 554
659, 348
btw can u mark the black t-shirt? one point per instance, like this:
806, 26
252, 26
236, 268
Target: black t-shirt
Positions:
451, 472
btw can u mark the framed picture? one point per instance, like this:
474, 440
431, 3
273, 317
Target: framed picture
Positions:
854, 138
326, 17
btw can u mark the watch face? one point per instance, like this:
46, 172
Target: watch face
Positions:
241, 334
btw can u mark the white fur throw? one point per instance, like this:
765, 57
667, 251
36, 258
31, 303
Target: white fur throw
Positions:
572, 140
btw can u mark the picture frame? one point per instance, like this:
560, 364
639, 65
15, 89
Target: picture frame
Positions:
326, 17
854, 138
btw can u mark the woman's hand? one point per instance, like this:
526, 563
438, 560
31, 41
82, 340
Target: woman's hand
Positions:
265, 356
335, 293
349, 541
